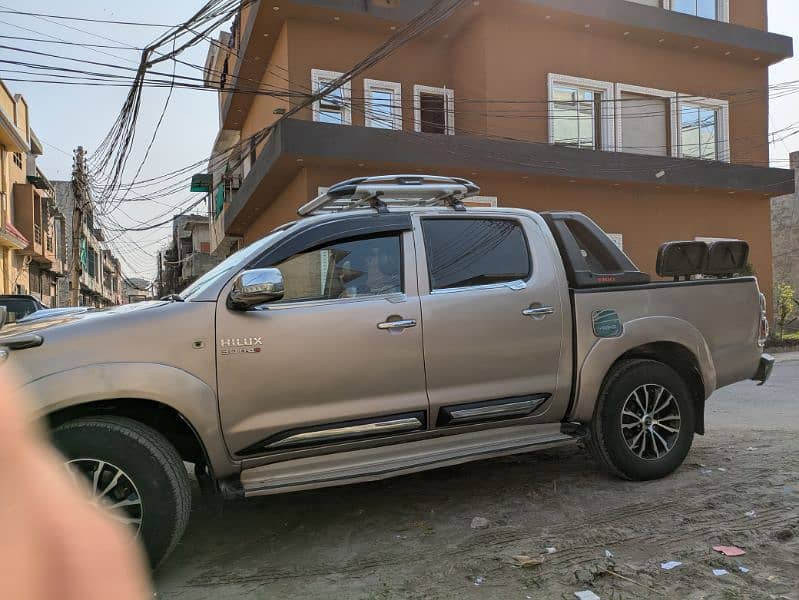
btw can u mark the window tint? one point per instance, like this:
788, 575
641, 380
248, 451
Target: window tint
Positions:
346, 269
466, 252
18, 308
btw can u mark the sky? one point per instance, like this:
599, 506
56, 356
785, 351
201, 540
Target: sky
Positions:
65, 116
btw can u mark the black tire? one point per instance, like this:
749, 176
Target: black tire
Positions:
151, 463
607, 434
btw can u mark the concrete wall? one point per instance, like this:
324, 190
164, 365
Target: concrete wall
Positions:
507, 55
785, 232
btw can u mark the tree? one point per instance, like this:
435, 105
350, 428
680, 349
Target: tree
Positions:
786, 306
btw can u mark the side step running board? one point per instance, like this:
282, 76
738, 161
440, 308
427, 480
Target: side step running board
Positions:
399, 459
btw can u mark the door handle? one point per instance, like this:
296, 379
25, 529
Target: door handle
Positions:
538, 312
396, 325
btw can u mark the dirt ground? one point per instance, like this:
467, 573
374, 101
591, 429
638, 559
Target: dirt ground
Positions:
411, 537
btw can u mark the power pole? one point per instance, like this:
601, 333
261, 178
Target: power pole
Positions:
79, 194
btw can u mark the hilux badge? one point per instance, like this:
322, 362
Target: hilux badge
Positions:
250, 345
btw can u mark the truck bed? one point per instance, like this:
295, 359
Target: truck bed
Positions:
716, 319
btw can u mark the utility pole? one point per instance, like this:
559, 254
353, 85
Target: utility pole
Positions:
79, 194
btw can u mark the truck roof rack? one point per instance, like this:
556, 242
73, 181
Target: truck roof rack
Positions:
392, 190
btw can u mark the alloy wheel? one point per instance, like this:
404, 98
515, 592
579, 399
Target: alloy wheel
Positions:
650, 421
111, 488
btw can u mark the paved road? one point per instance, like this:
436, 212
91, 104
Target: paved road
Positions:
774, 405
410, 537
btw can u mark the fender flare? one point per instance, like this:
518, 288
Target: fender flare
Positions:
638, 332
189, 396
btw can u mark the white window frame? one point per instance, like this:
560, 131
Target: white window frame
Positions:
396, 109
607, 112
449, 101
722, 129
722, 9
319, 79
655, 93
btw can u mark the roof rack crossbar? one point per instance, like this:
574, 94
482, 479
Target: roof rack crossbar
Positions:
392, 190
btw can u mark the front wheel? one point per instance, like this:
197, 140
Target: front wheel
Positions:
133, 471
644, 421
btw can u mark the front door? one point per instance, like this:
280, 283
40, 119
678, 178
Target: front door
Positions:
495, 313
338, 360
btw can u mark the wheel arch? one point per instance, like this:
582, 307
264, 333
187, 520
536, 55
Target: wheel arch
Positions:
156, 395
684, 362
160, 417
670, 340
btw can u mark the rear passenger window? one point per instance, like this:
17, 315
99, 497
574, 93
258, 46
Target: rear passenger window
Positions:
468, 252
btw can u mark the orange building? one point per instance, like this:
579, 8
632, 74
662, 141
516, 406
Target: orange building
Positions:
651, 116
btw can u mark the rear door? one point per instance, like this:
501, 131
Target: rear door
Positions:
496, 321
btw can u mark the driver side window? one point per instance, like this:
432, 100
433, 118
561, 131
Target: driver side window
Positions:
351, 268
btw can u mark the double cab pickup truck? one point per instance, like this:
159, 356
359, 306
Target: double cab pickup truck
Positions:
393, 328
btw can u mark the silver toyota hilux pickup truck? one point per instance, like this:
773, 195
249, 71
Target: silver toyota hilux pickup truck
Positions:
391, 329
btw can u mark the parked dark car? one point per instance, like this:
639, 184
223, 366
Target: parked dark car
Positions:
20, 306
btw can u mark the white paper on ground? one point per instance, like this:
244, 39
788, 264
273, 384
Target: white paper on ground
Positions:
720, 572
668, 566
586, 595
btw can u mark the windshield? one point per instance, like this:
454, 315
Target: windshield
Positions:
231, 265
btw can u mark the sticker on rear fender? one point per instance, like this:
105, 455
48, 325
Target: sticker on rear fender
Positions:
606, 323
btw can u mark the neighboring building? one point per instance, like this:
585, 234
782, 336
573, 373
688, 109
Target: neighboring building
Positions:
649, 116
188, 256
14, 148
101, 277
31, 227
36, 212
785, 232
135, 289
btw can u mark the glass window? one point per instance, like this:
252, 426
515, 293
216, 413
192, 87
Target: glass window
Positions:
335, 106
700, 8
383, 104
331, 107
576, 115
346, 269
381, 109
699, 132
433, 113
467, 252
18, 308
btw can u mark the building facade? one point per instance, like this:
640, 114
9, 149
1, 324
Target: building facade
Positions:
650, 116
31, 226
136, 289
188, 256
101, 276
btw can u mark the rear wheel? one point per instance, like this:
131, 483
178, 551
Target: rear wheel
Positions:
133, 471
644, 421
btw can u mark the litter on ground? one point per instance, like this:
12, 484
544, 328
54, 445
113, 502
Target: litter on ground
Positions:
729, 550
720, 572
668, 566
586, 595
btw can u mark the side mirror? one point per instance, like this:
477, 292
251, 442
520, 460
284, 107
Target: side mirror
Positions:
3, 316
255, 287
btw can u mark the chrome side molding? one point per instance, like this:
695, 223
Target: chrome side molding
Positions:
505, 408
330, 433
